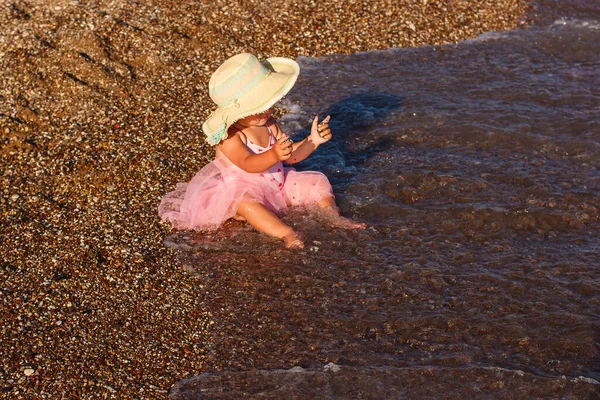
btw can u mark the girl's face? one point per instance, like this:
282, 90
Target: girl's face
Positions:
257, 119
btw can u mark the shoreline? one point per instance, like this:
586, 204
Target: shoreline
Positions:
100, 117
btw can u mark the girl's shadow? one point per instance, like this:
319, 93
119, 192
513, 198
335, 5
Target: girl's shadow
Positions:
350, 118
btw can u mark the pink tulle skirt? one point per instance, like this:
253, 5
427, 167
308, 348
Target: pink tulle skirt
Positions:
214, 194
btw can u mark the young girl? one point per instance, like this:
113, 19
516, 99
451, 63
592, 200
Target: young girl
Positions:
247, 180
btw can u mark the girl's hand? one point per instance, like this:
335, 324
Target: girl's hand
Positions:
283, 148
320, 132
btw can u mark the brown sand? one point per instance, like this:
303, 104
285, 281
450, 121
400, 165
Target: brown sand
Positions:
102, 103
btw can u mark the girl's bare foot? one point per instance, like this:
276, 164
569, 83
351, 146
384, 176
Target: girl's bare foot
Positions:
335, 219
292, 241
343, 222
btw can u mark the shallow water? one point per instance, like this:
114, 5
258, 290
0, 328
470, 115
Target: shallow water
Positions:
476, 168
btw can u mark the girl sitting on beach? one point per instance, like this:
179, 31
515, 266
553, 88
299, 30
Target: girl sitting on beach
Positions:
247, 180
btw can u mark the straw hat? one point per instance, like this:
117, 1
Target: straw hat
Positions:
244, 86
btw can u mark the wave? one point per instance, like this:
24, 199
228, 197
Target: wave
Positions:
334, 381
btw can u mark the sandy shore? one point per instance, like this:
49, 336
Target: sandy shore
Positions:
101, 109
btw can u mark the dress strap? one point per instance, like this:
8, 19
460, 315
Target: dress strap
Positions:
243, 137
249, 142
271, 137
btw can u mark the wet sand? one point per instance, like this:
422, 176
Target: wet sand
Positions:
100, 116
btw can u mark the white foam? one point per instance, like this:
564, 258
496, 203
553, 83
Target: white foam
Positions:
492, 35
586, 380
577, 23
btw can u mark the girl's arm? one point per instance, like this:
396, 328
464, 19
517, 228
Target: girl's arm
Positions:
238, 153
319, 134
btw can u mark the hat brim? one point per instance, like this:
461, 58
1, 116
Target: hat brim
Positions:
272, 88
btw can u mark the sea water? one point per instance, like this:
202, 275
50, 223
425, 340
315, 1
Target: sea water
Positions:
476, 168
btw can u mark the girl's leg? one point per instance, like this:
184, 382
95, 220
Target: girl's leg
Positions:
328, 204
265, 221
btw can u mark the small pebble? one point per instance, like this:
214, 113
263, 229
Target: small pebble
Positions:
332, 367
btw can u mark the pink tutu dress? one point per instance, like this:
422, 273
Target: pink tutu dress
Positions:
214, 194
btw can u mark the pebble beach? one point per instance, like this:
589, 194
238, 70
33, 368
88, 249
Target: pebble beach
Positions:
101, 113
